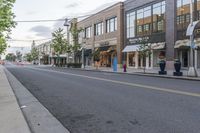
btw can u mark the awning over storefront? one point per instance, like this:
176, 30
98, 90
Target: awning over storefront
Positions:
104, 48
157, 46
111, 49
63, 55
131, 48
182, 43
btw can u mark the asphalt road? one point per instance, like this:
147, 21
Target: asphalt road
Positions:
98, 102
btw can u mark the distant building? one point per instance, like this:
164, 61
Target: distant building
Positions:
45, 53
22, 50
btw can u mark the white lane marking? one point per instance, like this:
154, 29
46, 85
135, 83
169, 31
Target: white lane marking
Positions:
126, 83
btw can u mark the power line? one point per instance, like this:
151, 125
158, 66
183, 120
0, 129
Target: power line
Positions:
50, 20
21, 40
35, 21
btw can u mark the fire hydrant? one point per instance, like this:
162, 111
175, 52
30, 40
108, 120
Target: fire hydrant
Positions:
124, 66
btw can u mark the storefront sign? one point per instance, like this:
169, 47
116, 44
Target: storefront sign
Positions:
104, 44
137, 40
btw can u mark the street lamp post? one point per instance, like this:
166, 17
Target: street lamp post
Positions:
67, 25
83, 53
83, 62
192, 71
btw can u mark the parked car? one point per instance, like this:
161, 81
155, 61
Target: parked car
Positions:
2, 62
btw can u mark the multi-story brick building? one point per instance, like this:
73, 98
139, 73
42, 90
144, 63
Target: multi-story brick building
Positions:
103, 31
164, 23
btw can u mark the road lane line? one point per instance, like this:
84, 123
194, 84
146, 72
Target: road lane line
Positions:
126, 83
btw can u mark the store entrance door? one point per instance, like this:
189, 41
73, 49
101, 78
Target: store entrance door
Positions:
185, 58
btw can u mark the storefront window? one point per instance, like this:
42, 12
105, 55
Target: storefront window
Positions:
183, 14
198, 9
139, 22
159, 17
131, 59
144, 21
147, 20
130, 18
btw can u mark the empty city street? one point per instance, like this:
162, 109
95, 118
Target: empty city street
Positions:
99, 102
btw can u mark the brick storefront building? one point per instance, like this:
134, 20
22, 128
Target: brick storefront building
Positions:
103, 31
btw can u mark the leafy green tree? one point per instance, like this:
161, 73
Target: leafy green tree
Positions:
19, 55
28, 57
96, 55
144, 49
3, 44
10, 57
75, 31
34, 54
6, 22
59, 43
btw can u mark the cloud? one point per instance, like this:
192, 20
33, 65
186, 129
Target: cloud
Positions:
76, 14
31, 13
72, 5
59, 24
42, 31
104, 6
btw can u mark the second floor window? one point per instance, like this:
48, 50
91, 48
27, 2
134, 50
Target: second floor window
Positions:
88, 32
111, 25
183, 14
99, 29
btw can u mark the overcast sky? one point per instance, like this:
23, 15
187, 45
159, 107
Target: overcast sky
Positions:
45, 10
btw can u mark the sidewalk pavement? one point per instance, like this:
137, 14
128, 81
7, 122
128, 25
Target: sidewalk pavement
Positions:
11, 117
149, 72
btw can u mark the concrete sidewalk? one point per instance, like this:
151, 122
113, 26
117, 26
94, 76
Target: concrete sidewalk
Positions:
39, 119
11, 117
149, 72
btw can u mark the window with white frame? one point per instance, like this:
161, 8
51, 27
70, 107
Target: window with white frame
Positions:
99, 29
88, 31
111, 25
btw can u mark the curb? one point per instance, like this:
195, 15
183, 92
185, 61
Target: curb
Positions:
39, 119
137, 73
12, 119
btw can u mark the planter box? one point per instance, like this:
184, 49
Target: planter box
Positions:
178, 73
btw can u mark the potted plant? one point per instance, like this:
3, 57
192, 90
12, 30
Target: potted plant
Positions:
177, 66
162, 65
